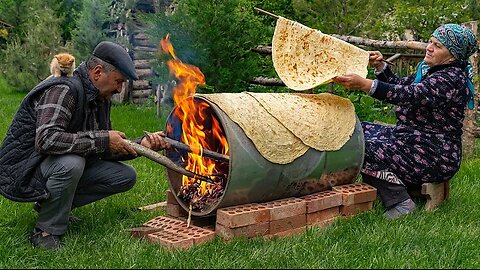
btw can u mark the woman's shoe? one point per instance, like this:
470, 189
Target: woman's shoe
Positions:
401, 209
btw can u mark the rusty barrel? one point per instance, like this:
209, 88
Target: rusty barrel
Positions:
252, 178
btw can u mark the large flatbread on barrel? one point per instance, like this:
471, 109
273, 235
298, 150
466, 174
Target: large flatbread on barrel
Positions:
324, 122
305, 58
273, 140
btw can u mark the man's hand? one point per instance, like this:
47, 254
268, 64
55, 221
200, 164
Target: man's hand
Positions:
155, 141
118, 144
354, 82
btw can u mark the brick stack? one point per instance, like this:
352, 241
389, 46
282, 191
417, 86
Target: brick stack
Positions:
356, 198
282, 217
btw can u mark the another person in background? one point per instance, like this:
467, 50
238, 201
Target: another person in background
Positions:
425, 145
60, 150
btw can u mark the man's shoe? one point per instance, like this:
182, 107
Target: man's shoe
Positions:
45, 240
401, 209
71, 218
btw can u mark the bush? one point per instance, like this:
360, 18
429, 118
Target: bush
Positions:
26, 60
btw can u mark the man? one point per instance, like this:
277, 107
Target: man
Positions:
60, 150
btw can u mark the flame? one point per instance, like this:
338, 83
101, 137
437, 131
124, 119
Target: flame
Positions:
194, 117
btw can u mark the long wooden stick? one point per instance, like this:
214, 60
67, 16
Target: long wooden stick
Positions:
179, 145
266, 12
205, 152
415, 45
154, 156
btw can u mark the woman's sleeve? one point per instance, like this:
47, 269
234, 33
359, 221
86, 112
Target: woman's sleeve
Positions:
387, 75
437, 89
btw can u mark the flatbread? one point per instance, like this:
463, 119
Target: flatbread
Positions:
274, 142
305, 58
324, 121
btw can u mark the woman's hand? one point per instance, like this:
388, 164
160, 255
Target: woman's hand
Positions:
375, 60
155, 141
353, 81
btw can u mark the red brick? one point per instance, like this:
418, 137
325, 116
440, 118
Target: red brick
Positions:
288, 223
285, 208
160, 222
170, 240
325, 222
175, 210
249, 231
243, 215
350, 210
288, 233
199, 235
323, 215
356, 193
173, 233
322, 200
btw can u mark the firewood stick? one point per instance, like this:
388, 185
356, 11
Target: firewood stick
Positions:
163, 160
266, 12
206, 153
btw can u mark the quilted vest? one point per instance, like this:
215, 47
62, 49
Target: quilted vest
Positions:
18, 158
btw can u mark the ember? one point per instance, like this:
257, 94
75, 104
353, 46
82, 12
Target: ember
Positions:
200, 130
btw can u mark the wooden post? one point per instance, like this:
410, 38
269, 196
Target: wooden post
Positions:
469, 123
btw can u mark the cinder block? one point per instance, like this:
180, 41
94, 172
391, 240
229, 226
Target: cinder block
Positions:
322, 200
356, 193
353, 209
171, 197
323, 215
243, 215
285, 208
249, 231
175, 210
289, 223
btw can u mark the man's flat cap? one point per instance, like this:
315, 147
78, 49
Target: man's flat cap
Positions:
117, 56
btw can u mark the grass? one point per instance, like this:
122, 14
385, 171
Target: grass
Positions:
445, 238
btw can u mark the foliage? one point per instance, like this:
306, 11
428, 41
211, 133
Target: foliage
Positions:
66, 10
217, 37
26, 57
344, 17
91, 27
424, 16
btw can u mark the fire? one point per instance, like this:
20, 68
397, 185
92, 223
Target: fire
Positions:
200, 129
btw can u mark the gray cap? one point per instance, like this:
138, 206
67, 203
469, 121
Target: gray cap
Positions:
117, 56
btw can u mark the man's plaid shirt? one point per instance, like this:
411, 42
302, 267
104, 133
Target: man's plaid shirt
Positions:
54, 111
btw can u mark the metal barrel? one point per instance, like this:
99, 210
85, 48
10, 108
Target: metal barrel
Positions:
254, 179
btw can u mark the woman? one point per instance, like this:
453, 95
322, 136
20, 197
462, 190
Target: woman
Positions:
425, 144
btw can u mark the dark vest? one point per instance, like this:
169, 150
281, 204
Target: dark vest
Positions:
18, 158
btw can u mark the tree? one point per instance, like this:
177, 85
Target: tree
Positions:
27, 53
217, 37
91, 27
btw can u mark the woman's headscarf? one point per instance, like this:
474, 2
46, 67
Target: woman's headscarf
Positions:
461, 43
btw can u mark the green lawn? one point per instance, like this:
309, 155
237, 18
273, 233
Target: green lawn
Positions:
448, 237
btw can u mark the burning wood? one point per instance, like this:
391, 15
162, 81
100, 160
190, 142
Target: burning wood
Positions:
200, 130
